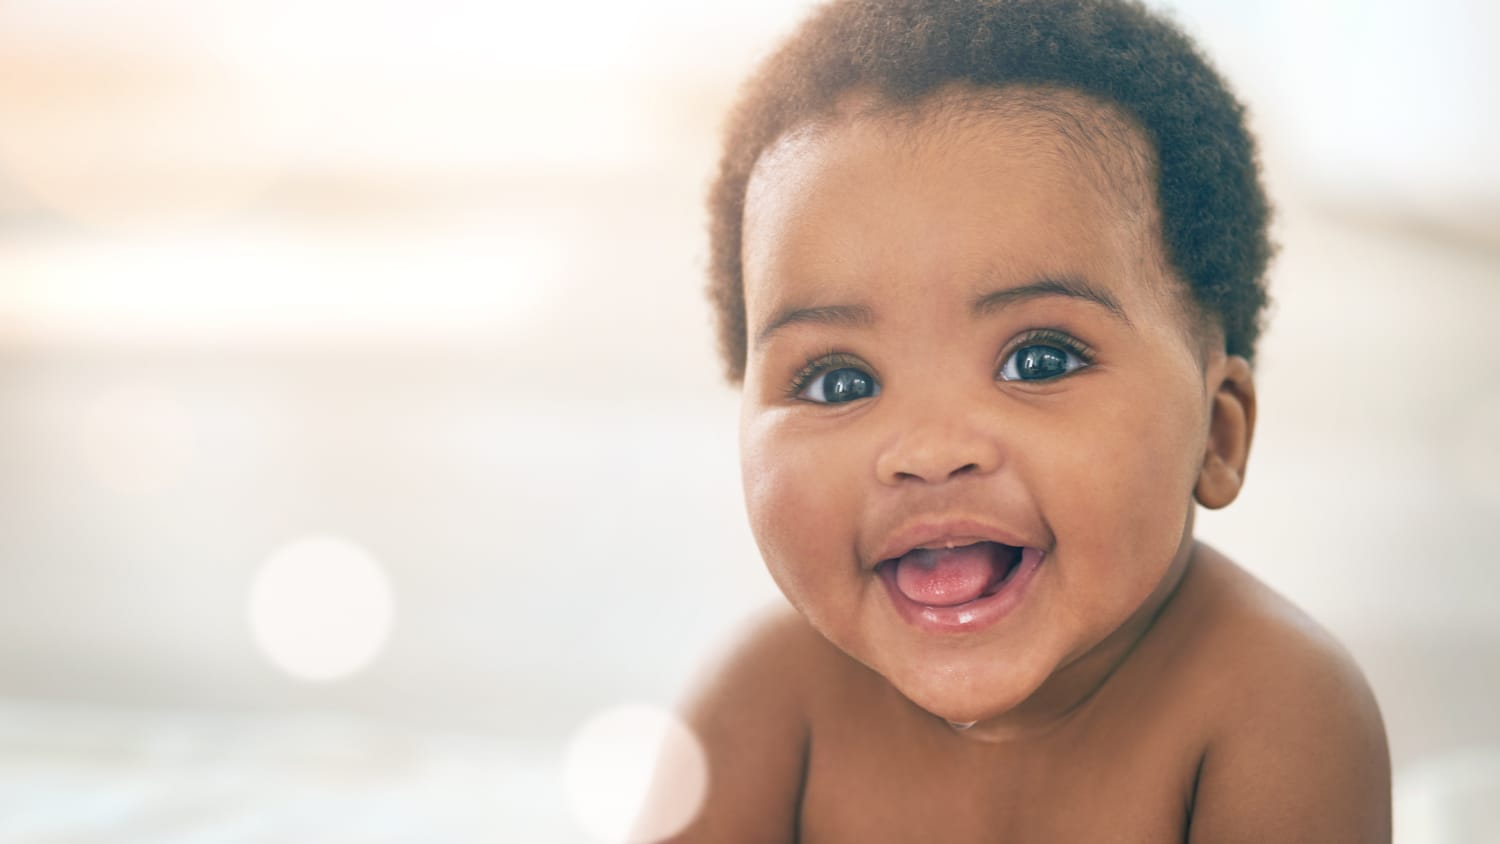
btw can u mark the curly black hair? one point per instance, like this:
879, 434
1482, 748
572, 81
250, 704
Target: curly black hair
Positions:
1213, 208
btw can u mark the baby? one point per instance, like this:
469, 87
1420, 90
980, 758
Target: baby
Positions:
990, 273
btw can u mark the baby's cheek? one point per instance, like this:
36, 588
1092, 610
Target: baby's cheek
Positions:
1161, 478
1130, 499
787, 509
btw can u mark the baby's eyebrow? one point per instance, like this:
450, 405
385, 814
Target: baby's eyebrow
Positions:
1070, 286
851, 315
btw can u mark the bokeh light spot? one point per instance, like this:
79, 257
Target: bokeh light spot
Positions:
321, 608
624, 755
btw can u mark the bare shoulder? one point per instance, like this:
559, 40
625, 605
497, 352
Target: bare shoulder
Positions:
1295, 748
750, 712
769, 669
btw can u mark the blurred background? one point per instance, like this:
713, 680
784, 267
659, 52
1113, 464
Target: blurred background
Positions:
365, 469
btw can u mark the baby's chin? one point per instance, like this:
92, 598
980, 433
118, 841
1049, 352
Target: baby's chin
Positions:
962, 708
962, 694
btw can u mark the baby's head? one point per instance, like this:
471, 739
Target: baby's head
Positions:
991, 276
1200, 168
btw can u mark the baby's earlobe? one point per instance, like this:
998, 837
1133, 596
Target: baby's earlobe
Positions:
1218, 483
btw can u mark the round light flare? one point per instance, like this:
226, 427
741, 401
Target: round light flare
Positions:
321, 608
621, 757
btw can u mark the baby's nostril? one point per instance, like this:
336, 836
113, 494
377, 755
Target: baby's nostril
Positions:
918, 476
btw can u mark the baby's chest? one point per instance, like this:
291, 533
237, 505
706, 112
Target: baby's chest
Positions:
877, 788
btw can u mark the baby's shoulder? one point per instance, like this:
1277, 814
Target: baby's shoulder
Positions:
1252, 650
777, 659
750, 715
1293, 746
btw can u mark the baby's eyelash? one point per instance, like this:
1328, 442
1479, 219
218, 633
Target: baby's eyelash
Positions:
819, 364
1051, 337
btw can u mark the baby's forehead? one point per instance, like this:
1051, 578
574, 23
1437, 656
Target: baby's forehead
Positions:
1090, 136
1085, 151
1093, 162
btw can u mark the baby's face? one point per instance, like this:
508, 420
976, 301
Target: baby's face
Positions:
959, 343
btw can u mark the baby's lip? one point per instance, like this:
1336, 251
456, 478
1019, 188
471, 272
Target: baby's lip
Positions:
939, 532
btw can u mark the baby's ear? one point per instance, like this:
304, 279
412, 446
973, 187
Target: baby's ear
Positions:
1230, 428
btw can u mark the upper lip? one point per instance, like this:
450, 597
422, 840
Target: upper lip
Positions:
937, 532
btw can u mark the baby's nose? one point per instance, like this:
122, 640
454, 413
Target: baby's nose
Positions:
935, 450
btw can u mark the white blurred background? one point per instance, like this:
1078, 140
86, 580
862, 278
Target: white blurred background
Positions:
362, 441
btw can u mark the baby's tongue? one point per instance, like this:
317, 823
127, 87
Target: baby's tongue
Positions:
946, 577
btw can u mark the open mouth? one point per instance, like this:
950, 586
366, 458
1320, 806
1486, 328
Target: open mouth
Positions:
947, 577
961, 586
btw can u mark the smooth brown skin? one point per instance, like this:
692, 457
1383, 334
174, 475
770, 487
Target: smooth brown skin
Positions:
1146, 688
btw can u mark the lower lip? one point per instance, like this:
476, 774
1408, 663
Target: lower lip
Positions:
978, 614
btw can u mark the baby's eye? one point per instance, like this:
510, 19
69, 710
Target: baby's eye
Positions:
1040, 362
840, 385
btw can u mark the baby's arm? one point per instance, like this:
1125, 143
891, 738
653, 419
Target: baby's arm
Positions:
749, 714
1301, 759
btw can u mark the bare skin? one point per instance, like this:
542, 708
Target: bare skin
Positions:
1233, 719
963, 336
